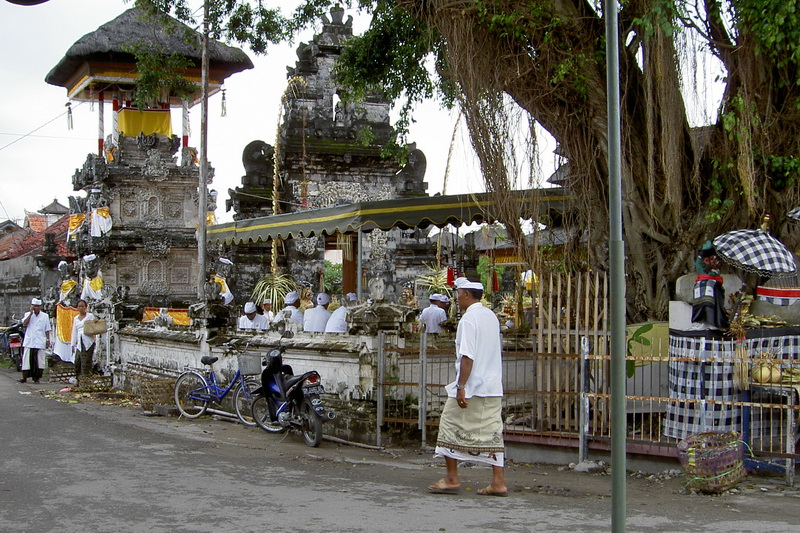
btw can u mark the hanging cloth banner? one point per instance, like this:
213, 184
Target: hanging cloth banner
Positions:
64, 316
132, 122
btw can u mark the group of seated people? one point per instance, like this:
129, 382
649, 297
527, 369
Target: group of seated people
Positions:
316, 319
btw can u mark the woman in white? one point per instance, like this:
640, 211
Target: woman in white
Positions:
82, 345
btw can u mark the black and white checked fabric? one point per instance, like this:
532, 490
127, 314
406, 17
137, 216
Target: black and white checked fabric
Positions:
778, 343
755, 251
701, 369
795, 213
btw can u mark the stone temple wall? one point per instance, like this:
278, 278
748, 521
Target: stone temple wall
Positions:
347, 364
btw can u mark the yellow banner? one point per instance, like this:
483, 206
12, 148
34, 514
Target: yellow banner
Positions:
132, 122
64, 316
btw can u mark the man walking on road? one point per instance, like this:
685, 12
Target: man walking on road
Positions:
471, 426
37, 338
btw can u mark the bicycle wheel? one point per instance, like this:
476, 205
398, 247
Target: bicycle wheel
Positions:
242, 399
260, 410
188, 384
312, 424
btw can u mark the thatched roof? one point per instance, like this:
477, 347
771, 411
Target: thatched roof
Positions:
111, 42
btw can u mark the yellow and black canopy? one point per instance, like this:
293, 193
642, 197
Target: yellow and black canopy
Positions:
385, 214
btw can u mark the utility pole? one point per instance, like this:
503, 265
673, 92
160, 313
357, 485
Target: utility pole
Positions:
202, 185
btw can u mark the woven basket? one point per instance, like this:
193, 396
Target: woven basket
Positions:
94, 383
250, 364
712, 460
156, 392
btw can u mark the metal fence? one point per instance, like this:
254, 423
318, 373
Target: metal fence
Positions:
556, 382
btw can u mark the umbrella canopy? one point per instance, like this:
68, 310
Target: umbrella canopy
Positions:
795, 213
755, 250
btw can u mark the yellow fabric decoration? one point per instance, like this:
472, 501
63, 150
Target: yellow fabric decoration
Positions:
211, 219
64, 316
68, 285
110, 153
75, 222
104, 212
180, 317
132, 122
96, 284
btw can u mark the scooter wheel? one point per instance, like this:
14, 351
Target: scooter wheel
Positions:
262, 417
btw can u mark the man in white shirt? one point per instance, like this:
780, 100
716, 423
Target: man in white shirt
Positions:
337, 323
292, 308
433, 315
251, 319
471, 425
316, 318
266, 307
37, 339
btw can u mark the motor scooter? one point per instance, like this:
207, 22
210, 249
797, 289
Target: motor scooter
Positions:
287, 401
13, 339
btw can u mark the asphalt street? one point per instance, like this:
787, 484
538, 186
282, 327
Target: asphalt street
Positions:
69, 467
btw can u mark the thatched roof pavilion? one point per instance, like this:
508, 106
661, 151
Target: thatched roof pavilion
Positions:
102, 59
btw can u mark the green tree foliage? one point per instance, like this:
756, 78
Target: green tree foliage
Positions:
333, 276
681, 185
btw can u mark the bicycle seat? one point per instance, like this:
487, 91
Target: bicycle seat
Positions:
208, 360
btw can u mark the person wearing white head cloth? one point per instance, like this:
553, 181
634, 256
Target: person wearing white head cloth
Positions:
316, 318
251, 319
471, 425
433, 315
337, 323
266, 308
292, 308
37, 339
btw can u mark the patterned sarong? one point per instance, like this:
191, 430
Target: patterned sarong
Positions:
472, 434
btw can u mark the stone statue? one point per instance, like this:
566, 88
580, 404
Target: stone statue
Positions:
414, 171
92, 289
68, 287
257, 158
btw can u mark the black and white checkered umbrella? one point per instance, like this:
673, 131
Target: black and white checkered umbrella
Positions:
795, 213
755, 250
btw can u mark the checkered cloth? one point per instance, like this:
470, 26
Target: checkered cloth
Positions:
702, 369
755, 251
795, 213
709, 376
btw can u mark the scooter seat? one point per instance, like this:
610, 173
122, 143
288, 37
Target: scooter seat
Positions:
291, 380
209, 360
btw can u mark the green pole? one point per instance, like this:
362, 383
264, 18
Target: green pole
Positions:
617, 262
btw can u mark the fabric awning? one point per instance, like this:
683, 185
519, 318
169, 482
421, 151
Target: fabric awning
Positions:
385, 214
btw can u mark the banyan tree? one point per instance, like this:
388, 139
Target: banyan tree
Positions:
509, 63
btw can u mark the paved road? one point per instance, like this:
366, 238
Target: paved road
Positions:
89, 467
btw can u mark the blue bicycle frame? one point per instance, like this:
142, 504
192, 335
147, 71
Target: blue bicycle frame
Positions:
212, 391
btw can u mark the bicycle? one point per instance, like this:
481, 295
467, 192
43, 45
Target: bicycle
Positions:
197, 388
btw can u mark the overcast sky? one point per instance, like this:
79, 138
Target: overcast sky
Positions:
39, 154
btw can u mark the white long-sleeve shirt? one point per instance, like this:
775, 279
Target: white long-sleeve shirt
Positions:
79, 340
